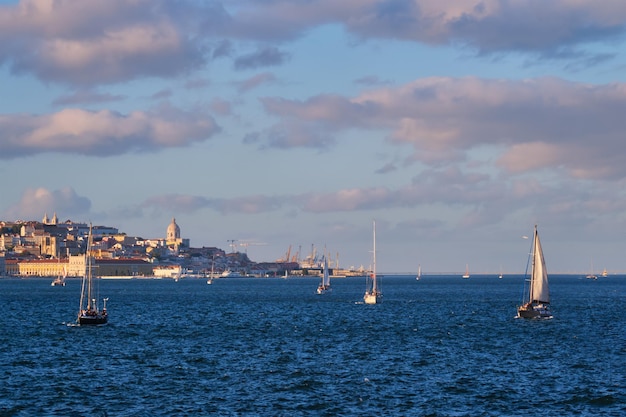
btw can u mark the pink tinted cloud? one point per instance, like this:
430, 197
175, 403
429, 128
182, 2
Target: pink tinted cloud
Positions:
100, 41
102, 133
441, 116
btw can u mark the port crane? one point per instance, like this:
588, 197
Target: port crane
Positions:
245, 244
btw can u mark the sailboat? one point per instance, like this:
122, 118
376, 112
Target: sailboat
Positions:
605, 273
419, 272
372, 293
210, 280
324, 286
537, 305
59, 281
466, 275
500, 276
592, 275
89, 313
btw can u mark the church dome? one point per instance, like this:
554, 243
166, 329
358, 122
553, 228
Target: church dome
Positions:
173, 231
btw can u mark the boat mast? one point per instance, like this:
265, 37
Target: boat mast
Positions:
532, 267
89, 269
374, 289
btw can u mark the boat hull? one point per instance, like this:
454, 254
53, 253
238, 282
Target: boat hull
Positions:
534, 311
370, 298
323, 289
93, 319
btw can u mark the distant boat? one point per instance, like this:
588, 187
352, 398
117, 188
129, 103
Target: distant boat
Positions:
466, 275
500, 276
592, 275
419, 272
89, 312
537, 305
324, 286
231, 274
605, 273
210, 280
59, 281
372, 293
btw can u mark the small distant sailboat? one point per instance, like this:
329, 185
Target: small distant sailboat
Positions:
419, 272
500, 276
466, 275
592, 275
537, 305
89, 313
605, 273
59, 281
372, 293
210, 280
324, 286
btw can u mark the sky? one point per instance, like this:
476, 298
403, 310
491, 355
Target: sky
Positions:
455, 125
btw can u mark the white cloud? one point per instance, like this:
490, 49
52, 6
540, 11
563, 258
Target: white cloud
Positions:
35, 202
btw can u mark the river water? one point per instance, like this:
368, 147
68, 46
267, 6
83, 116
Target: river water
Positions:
441, 346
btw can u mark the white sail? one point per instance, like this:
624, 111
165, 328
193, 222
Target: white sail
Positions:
324, 286
326, 277
372, 293
539, 279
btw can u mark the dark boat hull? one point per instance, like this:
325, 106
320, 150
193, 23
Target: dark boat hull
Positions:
534, 311
92, 319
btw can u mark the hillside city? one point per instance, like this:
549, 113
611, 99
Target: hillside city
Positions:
51, 248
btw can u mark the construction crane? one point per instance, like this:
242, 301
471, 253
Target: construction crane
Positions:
245, 244
286, 257
232, 244
288, 254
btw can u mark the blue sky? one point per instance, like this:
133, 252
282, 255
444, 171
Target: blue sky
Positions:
456, 125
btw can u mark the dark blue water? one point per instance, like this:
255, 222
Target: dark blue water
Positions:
442, 346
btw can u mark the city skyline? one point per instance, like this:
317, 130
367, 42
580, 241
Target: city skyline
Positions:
456, 126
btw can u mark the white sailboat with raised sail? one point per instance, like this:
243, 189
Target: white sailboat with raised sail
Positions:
419, 272
324, 286
372, 292
210, 280
466, 274
537, 304
89, 312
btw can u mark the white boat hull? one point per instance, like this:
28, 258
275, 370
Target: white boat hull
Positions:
370, 298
